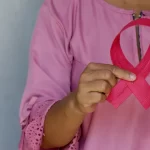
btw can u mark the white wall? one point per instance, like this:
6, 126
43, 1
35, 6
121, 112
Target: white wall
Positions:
17, 18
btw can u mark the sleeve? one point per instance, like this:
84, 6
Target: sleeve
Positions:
48, 78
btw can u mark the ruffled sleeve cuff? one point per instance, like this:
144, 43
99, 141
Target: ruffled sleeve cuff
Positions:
33, 132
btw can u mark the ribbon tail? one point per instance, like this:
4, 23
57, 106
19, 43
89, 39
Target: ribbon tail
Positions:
141, 90
119, 94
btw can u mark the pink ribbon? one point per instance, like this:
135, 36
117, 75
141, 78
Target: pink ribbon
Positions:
140, 88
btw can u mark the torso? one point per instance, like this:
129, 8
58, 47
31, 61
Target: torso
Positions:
126, 128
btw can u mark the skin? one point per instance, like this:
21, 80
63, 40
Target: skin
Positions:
95, 84
136, 5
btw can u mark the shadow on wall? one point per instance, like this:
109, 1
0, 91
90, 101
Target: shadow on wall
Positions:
17, 19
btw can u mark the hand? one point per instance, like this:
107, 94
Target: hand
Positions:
96, 83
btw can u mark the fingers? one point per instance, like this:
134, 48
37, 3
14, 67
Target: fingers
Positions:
96, 83
118, 72
92, 98
123, 74
100, 86
99, 75
95, 97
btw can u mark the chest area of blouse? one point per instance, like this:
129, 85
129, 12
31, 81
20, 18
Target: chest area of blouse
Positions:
95, 29
94, 33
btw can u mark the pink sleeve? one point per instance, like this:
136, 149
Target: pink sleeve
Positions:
48, 77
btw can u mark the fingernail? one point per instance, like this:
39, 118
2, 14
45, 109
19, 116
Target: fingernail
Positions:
132, 76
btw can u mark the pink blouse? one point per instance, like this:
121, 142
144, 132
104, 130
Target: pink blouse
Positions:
68, 35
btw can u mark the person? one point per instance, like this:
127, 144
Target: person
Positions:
65, 105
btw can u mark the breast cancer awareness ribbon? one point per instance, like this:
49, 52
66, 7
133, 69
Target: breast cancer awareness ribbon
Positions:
140, 88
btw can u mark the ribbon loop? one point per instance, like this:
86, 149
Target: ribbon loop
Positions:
140, 88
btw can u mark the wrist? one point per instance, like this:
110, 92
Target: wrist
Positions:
73, 105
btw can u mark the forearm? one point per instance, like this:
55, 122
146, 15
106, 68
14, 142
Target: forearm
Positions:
62, 122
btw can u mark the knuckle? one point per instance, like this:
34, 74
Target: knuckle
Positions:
91, 65
114, 69
96, 73
87, 76
103, 85
108, 74
83, 76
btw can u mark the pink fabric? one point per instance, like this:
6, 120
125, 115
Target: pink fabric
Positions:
124, 89
68, 35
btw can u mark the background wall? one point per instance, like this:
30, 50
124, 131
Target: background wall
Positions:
17, 18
